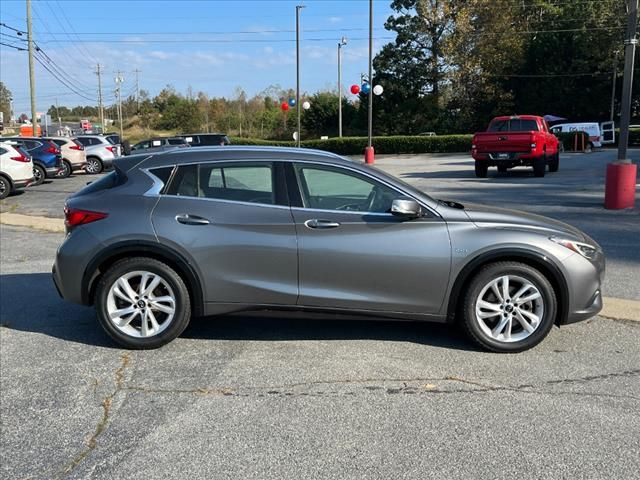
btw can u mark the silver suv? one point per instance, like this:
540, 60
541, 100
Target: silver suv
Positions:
100, 152
209, 231
159, 144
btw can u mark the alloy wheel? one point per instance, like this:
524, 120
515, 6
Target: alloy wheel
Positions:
141, 304
92, 166
4, 188
509, 308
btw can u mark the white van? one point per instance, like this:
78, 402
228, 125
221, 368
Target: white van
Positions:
598, 134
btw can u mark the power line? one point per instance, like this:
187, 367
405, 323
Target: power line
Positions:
13, 46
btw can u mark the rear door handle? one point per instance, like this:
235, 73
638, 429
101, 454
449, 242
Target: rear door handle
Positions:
316, 223
187, 219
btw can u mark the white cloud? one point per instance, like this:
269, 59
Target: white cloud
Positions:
335, 19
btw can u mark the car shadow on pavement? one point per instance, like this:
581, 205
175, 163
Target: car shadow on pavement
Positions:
278, 326
30, 303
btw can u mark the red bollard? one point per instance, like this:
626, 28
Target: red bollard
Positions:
620, 186
369, 156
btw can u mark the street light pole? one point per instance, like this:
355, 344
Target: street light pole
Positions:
369, 153
341, 43
298, 8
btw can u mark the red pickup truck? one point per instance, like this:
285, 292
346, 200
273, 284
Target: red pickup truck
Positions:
513, 141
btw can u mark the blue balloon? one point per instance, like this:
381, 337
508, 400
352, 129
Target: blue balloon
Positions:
292, 102
366, 88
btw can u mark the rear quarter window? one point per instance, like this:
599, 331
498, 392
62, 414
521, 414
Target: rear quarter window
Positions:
110, 180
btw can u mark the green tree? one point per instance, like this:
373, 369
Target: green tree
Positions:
5, 102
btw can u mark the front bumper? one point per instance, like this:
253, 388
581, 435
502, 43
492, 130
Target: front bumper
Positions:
584, 281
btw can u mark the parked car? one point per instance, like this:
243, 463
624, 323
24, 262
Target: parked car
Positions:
214, 231
74, 157
99, 151
16, 169
47, 161
206, 139
159, 144
513, 141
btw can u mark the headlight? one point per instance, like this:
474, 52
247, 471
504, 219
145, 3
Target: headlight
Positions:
584, 249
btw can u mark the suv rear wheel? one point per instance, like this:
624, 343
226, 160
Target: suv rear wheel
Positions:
94, 165
5, 187
66, 169
39, 174
509, 307
142, 303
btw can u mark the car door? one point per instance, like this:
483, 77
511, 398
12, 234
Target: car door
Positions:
355, 254
233, 221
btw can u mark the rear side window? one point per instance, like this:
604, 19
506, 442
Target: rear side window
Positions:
176, 141
59, 142
108, 181
163, 173
250, 183
3, 151
85, 141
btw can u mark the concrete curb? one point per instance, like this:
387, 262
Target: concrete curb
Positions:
616, 308
621, 309
47, 224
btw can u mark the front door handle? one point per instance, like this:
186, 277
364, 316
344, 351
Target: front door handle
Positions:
316, 223
187, 219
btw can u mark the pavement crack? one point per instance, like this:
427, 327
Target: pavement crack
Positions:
101, 426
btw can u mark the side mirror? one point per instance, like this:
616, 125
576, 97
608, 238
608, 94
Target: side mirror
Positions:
405, 207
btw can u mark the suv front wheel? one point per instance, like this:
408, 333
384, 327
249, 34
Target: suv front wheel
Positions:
509, 307
142, 303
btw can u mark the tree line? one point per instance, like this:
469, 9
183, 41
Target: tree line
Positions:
453, 65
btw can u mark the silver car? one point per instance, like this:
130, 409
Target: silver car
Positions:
212, 231
100, 152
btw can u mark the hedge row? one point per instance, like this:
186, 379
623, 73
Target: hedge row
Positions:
390, 145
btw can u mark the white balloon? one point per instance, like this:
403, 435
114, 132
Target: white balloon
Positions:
306, 105
377, 90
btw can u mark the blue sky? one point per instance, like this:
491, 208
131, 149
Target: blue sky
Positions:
214, 46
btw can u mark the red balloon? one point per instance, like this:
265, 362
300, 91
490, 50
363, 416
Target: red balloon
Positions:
284, 106
355, 89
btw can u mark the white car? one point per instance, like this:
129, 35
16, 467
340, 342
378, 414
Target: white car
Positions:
74, 157
16, 169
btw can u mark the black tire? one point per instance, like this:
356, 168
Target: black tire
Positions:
181, 316
5, 187
481, 169
539, 166
554, 163
483, 278
66, 170
94, 165
502, 168
39, 174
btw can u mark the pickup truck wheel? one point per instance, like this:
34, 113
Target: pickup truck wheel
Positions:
481, 169
503, 168
554, 163
539, 166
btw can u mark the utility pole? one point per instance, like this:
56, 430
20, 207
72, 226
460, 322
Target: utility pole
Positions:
298, 8
119, 79
613, 86
620, 188
100, 105
369, 152
341, 43
58, 113
32, 77
136, 71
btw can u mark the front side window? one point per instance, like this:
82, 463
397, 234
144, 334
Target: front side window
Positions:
250, 183
333, 189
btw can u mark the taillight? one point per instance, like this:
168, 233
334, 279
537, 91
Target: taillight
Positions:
76, 147
110, 149
74, 216
53, 149
21, 158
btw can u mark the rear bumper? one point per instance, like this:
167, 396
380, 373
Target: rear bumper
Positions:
52, 171
497, 158
22, 183
78, 166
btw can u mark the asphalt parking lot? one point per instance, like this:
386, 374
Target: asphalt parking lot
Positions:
265, 396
